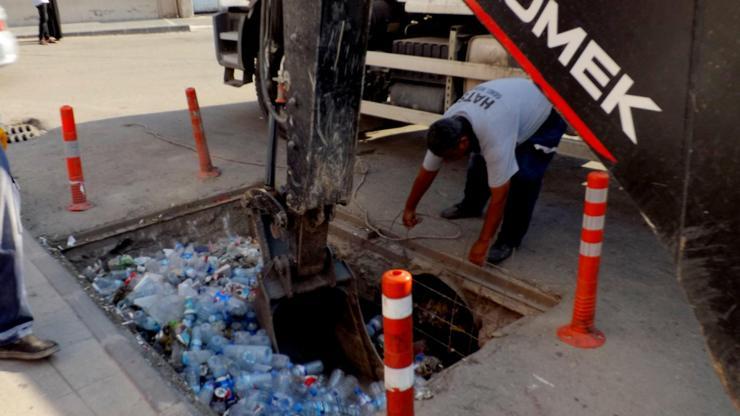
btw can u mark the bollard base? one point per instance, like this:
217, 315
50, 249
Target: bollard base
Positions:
79, 207
591, 339
214, 172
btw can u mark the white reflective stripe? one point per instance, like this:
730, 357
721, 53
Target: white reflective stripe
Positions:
596, 195
593, 223
590, 249
546, 149
399, 378
72, 149
397, 308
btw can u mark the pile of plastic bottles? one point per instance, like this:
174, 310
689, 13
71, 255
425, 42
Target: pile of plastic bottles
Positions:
194, 303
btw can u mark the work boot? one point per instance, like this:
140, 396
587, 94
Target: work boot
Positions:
457, 211
499, 252
29, 347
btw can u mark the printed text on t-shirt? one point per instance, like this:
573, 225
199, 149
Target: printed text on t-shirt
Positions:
476, 97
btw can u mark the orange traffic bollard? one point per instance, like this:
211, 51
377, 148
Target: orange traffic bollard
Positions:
207, 170
398, 326
581, 332
74, 163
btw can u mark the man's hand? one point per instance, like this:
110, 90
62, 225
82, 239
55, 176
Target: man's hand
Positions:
410, 219
478, 252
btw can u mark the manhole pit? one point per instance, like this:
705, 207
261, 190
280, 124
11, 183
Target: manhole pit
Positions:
453, 317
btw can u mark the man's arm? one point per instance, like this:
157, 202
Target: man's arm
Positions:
422, 183
493, 219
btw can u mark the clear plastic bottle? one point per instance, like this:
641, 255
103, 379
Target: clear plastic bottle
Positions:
236, 308
145, 322
196, 341
248, 381
377, 392
283, 381
241, 338
280, 361
217, 365
217, 344
206, 393
260, 339
194, 358
106, 286
335, 378
345, 388
310, 368
375, 326
192, 376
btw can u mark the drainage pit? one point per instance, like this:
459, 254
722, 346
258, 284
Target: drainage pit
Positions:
451, 320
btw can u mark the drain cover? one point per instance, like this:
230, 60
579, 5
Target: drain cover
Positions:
21, 132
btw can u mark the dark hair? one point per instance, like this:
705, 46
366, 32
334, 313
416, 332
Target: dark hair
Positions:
444, 134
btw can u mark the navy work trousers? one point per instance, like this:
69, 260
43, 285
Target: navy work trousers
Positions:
533, 156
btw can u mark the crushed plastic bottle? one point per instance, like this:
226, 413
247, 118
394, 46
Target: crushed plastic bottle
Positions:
106, 286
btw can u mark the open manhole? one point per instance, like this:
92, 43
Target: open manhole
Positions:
24, 131
233, 365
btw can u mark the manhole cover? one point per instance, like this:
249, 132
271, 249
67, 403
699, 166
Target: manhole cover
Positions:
21, 132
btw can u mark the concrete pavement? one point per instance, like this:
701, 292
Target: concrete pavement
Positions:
653, 363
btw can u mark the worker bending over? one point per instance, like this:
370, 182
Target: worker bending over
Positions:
511, 132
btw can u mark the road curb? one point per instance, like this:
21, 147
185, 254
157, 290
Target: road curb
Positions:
121, 31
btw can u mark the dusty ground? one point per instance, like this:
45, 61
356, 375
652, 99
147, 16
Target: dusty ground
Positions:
653, 363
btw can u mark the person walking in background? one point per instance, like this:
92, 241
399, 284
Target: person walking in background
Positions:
16, 340
43, 7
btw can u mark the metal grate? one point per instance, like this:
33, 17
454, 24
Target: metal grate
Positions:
21, 132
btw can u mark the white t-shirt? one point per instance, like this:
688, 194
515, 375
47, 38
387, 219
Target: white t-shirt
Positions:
37, 3
503, 113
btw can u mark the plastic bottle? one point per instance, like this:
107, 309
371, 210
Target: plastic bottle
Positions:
310, 368
217, 365
282, 381
315, 408
145, 322
241, 338
193, 358
206, 393
106, 286
335, 378
206, 331
280, 361
247, 381
282, 401
249, 354
375, 326
236, 308
217, 344
345, 388
377, 392
260, 339
361, 397
192, 377
196, 341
